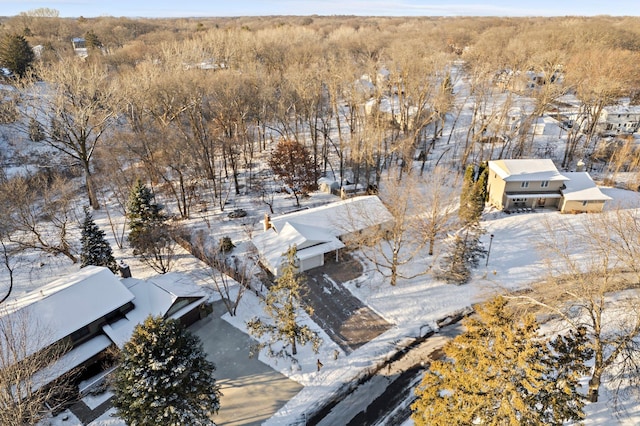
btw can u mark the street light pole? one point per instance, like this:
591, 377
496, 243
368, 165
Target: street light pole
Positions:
489, 251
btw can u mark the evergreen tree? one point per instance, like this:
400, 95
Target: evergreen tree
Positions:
473, 195
150, 235
465, 252
92, 41
501, 372
16, 54
282, 305
95, 248
164, 377
142, 211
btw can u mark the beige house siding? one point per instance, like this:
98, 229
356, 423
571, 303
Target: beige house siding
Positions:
572, 206
496, 190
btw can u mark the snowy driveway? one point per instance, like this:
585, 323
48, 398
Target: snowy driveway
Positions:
252, 391
348, 321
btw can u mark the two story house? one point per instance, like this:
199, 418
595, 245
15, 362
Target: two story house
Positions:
537, 183
527, 183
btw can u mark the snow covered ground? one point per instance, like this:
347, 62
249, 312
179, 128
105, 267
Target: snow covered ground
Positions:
412, 306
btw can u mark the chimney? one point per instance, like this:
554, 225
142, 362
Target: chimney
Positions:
267, 222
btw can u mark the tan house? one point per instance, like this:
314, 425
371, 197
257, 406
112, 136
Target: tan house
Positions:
580, 194
524, 184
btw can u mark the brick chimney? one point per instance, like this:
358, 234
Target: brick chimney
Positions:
267, 222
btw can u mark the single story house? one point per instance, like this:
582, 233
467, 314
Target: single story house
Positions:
92, 310
537, 183
318, 231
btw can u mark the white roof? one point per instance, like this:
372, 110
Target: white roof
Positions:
309, 241
526, 170
340, 218
152, 297
580, 187
68, 304
315, 231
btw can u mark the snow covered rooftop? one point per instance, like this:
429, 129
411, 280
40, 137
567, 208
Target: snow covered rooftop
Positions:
67, 305
154, 297
581, 187
316, 231
526, 170
340, 218
309, 241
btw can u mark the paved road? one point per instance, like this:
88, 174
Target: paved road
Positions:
382, 399
252, 391
348, 321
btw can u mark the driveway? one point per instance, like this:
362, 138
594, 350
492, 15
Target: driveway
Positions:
252, 391
348, 321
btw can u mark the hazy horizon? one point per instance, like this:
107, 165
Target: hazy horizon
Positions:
201, 8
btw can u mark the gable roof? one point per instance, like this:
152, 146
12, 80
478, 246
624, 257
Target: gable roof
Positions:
66, 305
580, 187
155, 297
519, 170
315, 231
309, 241
339, 218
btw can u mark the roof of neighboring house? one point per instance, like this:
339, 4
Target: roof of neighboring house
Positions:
621, 109
580, 187
154, 297
316, 231
67, 304
309, 241
340, 218
520, 170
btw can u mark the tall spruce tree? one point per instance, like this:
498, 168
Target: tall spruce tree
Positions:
501, 372
150, 236
282, 305
465, 250
164, 377
16, 54
95, 248
142, 211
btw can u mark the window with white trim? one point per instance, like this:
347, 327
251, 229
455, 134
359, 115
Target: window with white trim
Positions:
544, 184
524, 184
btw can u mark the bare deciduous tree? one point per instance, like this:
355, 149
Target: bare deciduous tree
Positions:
40, 210
26, 383
74, 110
588, 285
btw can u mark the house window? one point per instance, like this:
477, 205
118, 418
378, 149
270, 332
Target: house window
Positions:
584, 203
544, 184
524, 184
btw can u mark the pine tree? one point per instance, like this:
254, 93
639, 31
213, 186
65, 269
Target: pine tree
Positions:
501, 372
164, 377
142, 211
95, 248
465, 252
16, 54
282, 305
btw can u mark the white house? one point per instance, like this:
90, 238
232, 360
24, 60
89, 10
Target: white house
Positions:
318, 231
619, 119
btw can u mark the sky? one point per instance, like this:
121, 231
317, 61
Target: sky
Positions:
219, 8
